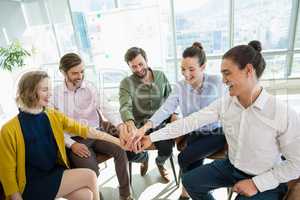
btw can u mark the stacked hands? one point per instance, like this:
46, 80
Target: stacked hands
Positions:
133, 139
136, 140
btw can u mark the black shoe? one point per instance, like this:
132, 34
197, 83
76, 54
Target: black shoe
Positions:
144, 167
183, 198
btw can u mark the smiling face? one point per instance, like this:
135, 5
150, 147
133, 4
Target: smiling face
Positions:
191, 70
239, 81
43, 92
139, 66
75, 75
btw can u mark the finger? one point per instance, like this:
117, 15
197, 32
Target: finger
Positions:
234, 188
85, 151
130, 141
122, 141
139, 145
79, 153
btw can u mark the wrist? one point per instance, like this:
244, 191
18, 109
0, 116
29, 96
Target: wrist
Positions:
131, 126
149, 124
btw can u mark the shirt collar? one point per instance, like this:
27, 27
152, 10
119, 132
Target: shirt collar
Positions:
260, 101
65, 88
140, 80
199, 90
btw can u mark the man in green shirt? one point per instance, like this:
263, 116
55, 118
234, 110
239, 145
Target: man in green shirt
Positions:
140, 95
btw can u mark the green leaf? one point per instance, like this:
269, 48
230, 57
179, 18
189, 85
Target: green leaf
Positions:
13, 56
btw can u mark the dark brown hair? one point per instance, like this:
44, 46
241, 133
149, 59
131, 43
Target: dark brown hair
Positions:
134, 52
28, 87
68, 61
196, 50
248, 54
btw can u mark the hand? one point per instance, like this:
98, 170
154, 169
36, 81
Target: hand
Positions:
246, 188
16, 196
125, 136
80, 150
136, 144
132, 133
143, 143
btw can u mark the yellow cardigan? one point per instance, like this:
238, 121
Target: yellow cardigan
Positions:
12, 148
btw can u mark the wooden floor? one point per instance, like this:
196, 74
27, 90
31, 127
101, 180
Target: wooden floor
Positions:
148, 187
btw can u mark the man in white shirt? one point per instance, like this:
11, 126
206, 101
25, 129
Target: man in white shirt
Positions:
80, 100
259, 130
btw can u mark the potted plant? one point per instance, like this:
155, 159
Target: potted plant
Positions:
13, 56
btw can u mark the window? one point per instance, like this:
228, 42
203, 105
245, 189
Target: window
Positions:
106, 36
264, 20
60, 16
92, 5
297, 41
132, 3
275, 67
213, 66
203, 22
296, 66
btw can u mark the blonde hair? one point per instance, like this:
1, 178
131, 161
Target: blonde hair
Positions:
27, 88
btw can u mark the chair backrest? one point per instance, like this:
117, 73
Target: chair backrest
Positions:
107, 126
2, 196
293, 191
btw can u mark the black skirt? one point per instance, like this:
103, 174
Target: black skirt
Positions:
46, 187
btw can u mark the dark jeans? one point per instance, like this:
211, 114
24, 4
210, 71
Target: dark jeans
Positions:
164, 148
100, 146
199, 146
221, 173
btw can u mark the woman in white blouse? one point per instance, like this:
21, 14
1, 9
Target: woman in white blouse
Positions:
196, 91
258, 129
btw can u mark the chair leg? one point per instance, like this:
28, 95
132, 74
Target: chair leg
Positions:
130, 172
229, 192
179, 176
173, 169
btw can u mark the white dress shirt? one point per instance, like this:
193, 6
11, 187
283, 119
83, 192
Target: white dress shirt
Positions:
82, 105
257, 136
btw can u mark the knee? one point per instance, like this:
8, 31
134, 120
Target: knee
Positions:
86, 193
90, 176
119, 153
181, 161
165, 149
240, 197
187, 181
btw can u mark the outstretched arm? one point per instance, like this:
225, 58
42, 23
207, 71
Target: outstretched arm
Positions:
100, 135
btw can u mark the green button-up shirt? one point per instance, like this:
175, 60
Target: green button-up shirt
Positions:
139, 101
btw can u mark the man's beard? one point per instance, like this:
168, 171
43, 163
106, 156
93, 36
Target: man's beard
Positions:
141, 76
76, 83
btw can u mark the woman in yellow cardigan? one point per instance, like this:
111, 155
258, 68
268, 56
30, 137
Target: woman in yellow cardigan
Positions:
33, 161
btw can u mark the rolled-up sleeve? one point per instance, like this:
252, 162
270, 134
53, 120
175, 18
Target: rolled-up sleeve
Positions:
185, 125
168, 108
125, 100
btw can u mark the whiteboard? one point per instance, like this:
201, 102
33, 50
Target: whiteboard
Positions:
112, 33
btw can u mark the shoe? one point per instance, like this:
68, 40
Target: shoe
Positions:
184, 194
183, 198
144, 167
163, 173
126, 198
